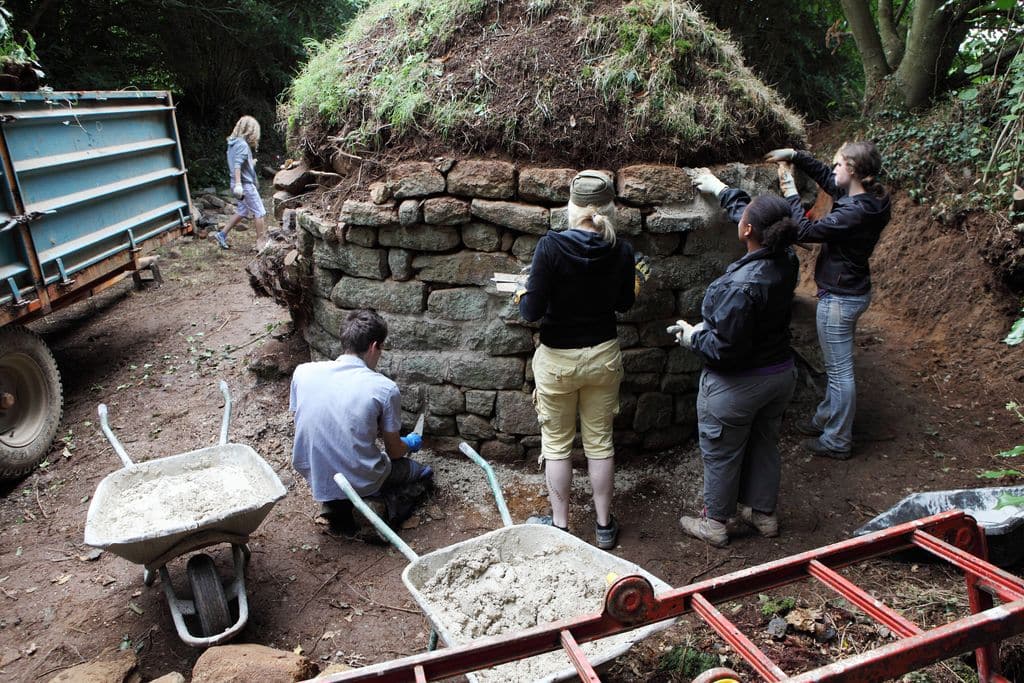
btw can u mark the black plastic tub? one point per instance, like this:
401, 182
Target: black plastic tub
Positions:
1004, 527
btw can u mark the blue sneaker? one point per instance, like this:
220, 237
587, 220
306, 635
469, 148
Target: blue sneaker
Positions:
546, 520
222, 239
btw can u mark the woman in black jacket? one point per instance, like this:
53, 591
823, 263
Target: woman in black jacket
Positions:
749, 375
578, 279
848, 235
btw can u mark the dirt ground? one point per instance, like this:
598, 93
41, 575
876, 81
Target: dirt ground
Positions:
933, 381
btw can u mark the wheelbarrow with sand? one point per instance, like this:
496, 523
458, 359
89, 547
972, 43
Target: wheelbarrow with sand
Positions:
511, 579
155, 511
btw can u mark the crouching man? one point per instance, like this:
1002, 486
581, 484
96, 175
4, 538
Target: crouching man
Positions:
341, 407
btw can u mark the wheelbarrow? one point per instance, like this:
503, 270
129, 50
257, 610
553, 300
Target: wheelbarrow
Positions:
511, 541
152, 512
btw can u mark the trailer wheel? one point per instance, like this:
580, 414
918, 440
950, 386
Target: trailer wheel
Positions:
31, 400
208, 595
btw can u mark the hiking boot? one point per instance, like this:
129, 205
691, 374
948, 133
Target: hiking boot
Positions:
809, 428
220, 238
546, 520
706, 529
766, 525
816, 447
607, 537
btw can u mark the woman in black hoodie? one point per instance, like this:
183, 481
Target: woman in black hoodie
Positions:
578, 279
848, 235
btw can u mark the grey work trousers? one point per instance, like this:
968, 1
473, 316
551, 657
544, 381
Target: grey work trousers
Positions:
739, 419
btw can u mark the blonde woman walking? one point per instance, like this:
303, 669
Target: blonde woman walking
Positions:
578, 279
242, 144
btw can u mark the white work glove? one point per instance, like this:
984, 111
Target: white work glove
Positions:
787, 185
781, 154
706, 181
684, 332
521, 280
237, 190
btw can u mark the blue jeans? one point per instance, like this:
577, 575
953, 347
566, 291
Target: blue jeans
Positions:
837, 321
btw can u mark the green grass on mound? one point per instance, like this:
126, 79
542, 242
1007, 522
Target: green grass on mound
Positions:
656, 67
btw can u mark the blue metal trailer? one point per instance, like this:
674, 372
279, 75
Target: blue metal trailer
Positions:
91, 182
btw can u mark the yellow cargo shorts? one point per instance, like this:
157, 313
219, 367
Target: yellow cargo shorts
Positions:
581, 381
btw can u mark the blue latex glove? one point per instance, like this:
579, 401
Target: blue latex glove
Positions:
413, 441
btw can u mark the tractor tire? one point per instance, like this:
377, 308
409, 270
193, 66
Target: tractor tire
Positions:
31, 401
208, 595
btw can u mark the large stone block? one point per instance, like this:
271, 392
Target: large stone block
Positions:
412, 397
656, 245
500, 451
653, 184
294, 179
499, 339
460, 303
480, 402
428, 368
463, 268
446, 211
419, 237
714, 236
324, 280
363, 235
627, 409
515, 215
545, 184
281, 202
654, 333
674, 218
514, 413
320, 340
352, 259
629, 220
677, 272
318, 226
390, 296
410, 212
682, 360
686, 409
666, 437
481, 236
448, 444
679, 383
111, 666
641, 382
250, 662
417, 334
558, 218
474, 427
654, 410
329, 316
444, 399
524, 247
643, 360
472, 371
400, 263
627, 335
415, 179
487, 179
688, 303
356, 212
652, 304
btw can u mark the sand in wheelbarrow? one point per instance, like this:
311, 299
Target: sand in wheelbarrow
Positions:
154, 505
479, 595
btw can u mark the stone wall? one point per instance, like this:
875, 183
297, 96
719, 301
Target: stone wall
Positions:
422, 248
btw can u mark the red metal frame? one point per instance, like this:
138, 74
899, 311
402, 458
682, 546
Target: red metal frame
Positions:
630, 603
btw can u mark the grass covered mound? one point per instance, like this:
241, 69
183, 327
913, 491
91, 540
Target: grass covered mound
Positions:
574, 81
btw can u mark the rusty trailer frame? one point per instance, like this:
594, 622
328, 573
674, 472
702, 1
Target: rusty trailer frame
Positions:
630, 603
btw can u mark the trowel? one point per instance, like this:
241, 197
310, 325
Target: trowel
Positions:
419, 424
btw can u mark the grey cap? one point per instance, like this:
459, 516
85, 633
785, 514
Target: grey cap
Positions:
591, 188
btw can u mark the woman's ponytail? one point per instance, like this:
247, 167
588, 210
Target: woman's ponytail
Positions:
779, 234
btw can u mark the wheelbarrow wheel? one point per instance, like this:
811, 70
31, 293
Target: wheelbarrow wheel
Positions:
208, 595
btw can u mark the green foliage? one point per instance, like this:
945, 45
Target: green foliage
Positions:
977, 133
10, 48
1014, 452
1008, 499
689, 662
770, 607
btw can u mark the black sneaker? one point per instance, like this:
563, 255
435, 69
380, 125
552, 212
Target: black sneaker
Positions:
818, 448
607, 537
809, 428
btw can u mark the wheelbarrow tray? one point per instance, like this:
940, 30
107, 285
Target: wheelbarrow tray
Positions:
1004, 528
191, 511
521, 540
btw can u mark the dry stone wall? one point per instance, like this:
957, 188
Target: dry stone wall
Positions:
422, 248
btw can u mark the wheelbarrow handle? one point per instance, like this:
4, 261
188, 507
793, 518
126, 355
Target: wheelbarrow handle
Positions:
118, 448
227, 412
379, 524
492, 479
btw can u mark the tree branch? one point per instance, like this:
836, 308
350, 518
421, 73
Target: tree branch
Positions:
869, 44
902, 11
892, 40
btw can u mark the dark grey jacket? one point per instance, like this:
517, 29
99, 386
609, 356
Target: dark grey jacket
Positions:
848, 234
747, 310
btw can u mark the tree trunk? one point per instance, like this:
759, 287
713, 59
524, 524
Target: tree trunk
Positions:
869, 44
892, 36
932, 42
